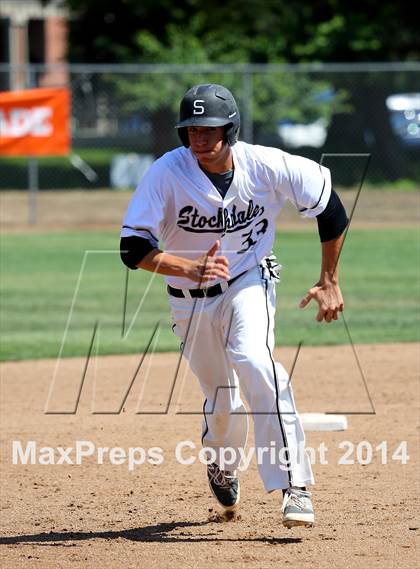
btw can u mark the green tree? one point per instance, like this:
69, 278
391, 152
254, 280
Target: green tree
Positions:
276, 96
248, 30
194, 31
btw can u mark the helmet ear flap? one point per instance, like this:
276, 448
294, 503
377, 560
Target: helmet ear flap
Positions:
232, 133
183, 135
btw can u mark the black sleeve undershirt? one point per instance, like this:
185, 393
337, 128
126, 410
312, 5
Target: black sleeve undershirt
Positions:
333, 220
133, 249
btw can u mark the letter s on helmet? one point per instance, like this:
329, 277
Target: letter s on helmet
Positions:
209, 105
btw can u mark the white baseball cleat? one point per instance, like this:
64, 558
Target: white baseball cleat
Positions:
297, 508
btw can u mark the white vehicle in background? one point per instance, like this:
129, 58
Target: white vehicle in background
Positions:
296, 135
314, 134
404, 111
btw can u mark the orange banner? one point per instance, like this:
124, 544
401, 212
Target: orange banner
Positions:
35, 122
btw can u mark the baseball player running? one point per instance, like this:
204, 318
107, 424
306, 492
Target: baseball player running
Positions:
213, 203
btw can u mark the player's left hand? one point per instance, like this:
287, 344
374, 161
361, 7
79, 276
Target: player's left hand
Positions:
329, 299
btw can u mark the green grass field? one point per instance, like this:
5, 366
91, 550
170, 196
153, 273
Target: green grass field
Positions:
40, 274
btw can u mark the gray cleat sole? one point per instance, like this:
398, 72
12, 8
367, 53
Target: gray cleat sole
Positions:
289, 524
296, 520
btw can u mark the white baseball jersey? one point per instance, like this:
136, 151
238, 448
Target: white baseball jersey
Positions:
177, 204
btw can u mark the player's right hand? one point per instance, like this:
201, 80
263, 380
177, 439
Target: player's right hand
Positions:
210, 267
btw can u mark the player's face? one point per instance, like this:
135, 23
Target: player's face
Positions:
209, 146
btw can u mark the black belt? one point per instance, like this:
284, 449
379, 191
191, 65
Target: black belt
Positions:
211, 291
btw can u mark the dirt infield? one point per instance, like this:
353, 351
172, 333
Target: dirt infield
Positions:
158, 516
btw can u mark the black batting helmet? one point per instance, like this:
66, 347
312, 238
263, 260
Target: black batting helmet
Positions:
209, 105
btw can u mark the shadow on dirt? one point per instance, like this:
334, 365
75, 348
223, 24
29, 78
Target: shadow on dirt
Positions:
154, 533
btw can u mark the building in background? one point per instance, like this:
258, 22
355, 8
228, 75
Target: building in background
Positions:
33, 32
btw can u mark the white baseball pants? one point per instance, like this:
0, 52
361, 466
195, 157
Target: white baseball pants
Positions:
228, 342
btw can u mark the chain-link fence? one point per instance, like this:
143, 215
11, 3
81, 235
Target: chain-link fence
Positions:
123, 117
